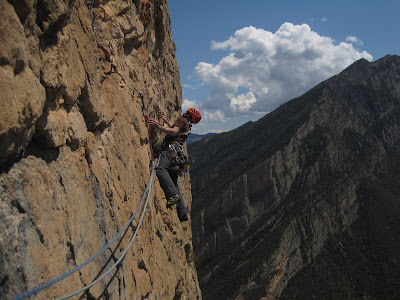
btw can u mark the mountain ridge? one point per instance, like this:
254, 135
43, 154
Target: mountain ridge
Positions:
302, 184
193, 137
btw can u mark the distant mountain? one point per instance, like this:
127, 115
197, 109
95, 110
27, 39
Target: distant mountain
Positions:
197, 137
305, 202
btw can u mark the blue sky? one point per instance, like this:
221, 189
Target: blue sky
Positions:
240, 60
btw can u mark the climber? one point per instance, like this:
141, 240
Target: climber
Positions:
172, 157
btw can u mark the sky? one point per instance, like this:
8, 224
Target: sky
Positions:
240, 60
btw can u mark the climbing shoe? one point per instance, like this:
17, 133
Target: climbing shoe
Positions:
172, 201
184, 217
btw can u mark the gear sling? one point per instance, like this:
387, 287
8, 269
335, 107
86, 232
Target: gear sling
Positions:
180, 162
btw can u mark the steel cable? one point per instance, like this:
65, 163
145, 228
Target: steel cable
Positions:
65, 275
123, 254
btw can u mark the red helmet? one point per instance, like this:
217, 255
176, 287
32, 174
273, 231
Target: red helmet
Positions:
196, 115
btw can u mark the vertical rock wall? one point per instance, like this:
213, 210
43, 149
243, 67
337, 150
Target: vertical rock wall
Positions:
74, 149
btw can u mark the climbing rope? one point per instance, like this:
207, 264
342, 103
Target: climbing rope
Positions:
63, 276
123, 254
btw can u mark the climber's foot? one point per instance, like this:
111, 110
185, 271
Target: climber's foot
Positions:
172, 201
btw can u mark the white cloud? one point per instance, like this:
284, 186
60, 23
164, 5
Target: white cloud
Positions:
242, 102
218, 116
354, 39
265, 69
324, 19
188, 103
215, 131
196, 130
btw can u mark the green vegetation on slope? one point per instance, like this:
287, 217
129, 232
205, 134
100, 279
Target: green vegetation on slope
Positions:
363, 262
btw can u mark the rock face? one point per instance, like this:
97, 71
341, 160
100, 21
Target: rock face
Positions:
278, 190
74, 149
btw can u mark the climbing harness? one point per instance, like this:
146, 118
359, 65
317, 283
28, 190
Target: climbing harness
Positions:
145, 112
63, 276
179, 161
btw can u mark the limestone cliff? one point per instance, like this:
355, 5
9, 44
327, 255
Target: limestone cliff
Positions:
74, 149
279, 189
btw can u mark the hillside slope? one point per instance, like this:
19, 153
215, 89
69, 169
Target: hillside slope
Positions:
74, 150
281, 189
197, 137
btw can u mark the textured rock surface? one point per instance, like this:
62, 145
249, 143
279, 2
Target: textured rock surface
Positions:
74, 150
303, 167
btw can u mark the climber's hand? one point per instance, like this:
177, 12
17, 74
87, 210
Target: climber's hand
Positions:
154, 123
